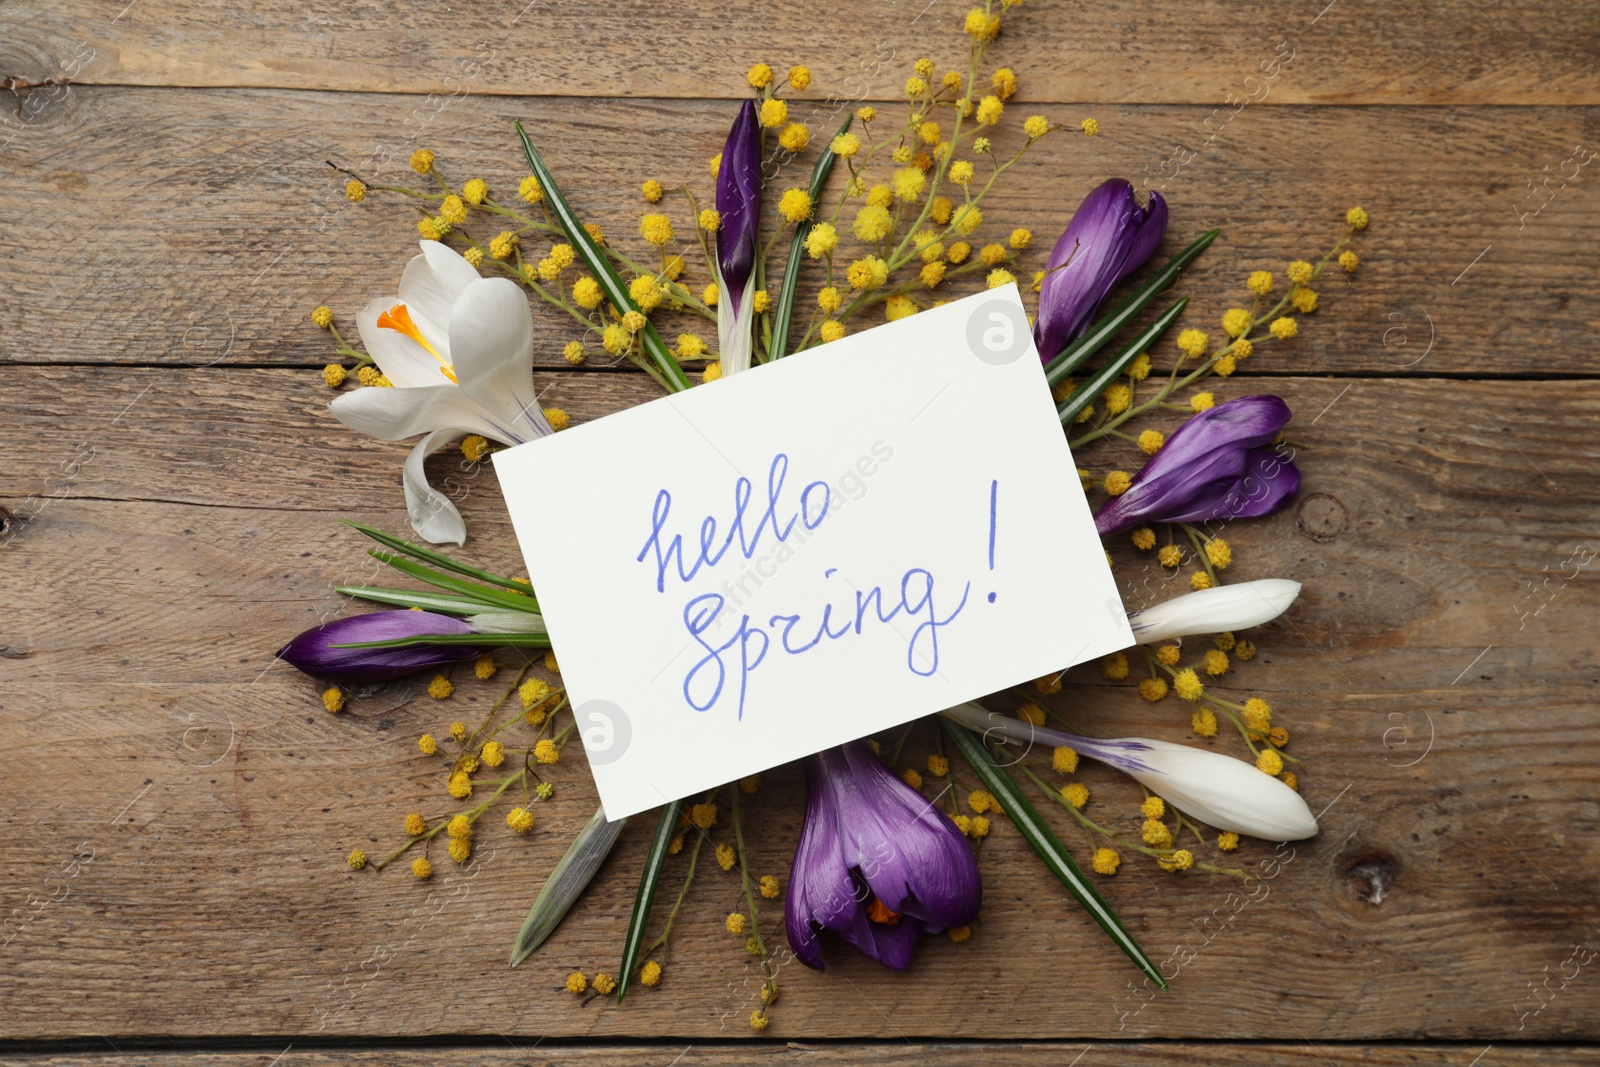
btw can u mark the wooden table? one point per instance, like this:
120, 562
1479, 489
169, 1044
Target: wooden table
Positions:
178, 806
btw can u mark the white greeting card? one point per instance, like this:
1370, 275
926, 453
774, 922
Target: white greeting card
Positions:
810, 552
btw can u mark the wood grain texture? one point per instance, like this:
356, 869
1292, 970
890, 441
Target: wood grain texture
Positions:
1452, 755
199, 229
902, 1054
1426, 52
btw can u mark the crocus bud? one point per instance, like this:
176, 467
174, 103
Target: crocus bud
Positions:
1215, 466
877, 863
313, 651
1110, 236
1222, 609
1219, 790
739, 205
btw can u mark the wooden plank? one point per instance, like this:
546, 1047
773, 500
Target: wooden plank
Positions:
203, 801
198, 229
904, 1054
1429, 52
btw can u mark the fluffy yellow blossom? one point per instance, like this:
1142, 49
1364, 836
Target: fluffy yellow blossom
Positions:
1170, 555
1284, 328
832, 330
1242, 348
1153, 689
1200, 580
546, 751
898, 307
615, 339
428, 744
440, 687
595, 233
586, 293
736, 923
1143, 538
703, 816
774, 113
415, 824
966, 219
916, 86
494, 754
422, 161
759, 76
931, 274
799, 78
1118, 482
959, 252
998, 277
1357, 218
1036, 126
652, 191
573, 352
1227, 842
1118, 398
1155, 833
1349, 261
1181, 860
530, 190
421, 868
333, 699
1202, 401
690, 346
1219, 553
1187, 684
1304, 300
453, 211
726, 857
576, 982
928, 132
866, 114
1216, 662
647, 293
1089, 127
715, 165
710, 295
759, 1020
333, 375
872, 224
1300, 272
980, 800
355, 190
981, 26
867, 274
769, 887
656, 229
533, 691
1269, 762
1150, 442
795, 205
1075, 793
1235, 321
1004, 83
1106, 861
978, 826
1114, 666
1257, 715
1192, 342
502, 243
712, 372
794, 137
520, 820
459, 786
909, 182
989, 110
992, 254
963, 823
459, 826
650, 974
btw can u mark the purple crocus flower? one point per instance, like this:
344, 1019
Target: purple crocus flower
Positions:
1110, 236
739, 205
1215, 466
312, 651
877, 863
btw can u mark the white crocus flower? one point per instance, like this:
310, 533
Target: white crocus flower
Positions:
1219, 790
1221, 609
458, 349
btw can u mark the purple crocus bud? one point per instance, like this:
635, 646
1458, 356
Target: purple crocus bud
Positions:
877, 863
312, 651
739, 204
1110, 236
1215, 466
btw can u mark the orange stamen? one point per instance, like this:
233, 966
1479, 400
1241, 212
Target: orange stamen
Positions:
398, 319
878, 912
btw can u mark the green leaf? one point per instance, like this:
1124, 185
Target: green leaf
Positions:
495, 597
567, 883
791, 274
1078, 352
416, 598
1043, 840
654, 861
439, 559
601, 267
1090, 390
489, 640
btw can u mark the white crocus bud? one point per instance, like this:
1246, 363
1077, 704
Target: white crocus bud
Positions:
1221, 609
1218, 790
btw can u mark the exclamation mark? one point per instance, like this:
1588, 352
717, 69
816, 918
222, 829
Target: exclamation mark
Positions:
994, 492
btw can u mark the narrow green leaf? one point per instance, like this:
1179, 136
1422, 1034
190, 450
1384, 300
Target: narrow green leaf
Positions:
567, 883
489, 640
496, 597
439, 559
1090, 390
601, 268
654, 861
1078, 352
1043, 840
791, 274
415, 598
